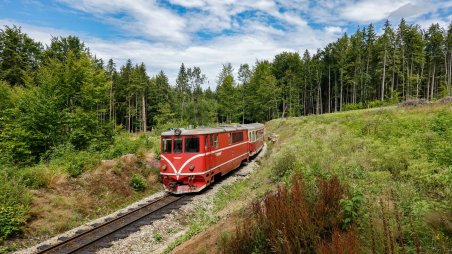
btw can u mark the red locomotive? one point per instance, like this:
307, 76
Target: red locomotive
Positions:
192, 159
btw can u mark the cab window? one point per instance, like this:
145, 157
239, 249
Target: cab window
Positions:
214, 140
237, 137
192, 144
166, 145
178, 145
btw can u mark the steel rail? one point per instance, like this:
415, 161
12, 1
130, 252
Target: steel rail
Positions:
99, 234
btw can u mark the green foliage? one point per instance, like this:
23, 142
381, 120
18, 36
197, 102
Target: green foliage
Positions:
11, 221
138, 183
350, 208
157, 237
35, 177
14, 202
19, 55
438, 144
283, 166
375, 104
353, 106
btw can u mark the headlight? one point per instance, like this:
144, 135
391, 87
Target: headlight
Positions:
164, 167
191, 167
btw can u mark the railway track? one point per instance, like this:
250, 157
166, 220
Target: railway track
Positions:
85, 242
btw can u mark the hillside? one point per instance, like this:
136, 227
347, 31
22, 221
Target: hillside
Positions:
74, 187
372, 181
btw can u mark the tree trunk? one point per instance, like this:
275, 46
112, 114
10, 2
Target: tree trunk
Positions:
393, 73
329, 89
384, 78
143, 101
340, 100
428, 85
433, 81
128, 116
449, 90
403, 75
419, 80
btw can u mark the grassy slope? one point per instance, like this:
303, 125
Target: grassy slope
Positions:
53, 201
400, 156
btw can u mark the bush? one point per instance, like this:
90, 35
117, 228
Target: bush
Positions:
12, 220
14, 202
138, 183
35, 177
353, 106
283, 166
376, 104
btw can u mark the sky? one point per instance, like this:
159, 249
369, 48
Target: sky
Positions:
208, 33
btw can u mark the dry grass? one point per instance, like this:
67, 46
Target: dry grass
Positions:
287, 221
68, 202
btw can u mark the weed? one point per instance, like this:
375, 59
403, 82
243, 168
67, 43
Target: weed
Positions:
350, 209
138, 182
157, 237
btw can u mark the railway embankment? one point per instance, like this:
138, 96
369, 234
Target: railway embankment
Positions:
366, 181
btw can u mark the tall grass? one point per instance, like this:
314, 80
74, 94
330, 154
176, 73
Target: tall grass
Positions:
287, 221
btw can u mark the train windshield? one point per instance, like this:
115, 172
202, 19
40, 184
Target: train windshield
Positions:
178, 145
192, 144
166, 145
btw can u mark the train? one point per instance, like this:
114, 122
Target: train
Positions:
192, 159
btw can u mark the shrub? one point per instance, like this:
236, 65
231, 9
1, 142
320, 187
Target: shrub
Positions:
12, 219
376, 104
35, 177
353, 106
138, 183
283, 165
350, 209
14, 201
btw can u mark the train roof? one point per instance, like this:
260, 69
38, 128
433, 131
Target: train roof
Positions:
210, 130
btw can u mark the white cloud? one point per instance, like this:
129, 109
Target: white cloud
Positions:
370, 10
334, 30
140, 17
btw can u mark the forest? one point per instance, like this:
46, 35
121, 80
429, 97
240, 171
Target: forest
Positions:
62, 94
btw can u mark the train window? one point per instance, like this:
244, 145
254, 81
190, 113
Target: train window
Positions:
214, 140
166, 145
192, 144
178, 145
229, 139
237, 137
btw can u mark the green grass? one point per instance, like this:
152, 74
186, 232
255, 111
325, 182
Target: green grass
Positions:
399, 155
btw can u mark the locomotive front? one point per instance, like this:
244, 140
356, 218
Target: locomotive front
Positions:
182, 163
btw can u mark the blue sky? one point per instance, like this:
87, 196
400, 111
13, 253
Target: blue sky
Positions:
208, 33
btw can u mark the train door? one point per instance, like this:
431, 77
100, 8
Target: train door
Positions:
213, 146
207, 152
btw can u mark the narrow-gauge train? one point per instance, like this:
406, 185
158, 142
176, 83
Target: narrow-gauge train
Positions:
192, 159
